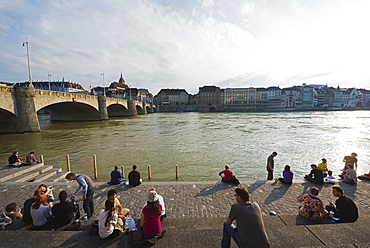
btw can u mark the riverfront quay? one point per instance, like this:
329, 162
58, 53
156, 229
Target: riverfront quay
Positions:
196, 211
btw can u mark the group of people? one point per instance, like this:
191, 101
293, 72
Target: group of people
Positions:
15, 160
319, 173
113, 217
343, 209
39, 212
116, 177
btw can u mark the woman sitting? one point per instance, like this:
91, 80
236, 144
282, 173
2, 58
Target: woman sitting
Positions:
40, 213
48, 192
351, 175
228, 176
110, 224
313, 209
151, 216
287, 175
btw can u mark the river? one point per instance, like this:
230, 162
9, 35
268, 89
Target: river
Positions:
200, 143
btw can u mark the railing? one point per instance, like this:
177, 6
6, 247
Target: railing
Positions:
64, 94
5, 88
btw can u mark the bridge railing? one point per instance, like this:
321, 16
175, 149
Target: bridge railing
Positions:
5, 88
64, 94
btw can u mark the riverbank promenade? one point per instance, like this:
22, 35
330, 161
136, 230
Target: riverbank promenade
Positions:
196, 212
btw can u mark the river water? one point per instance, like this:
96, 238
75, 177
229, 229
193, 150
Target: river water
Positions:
200, 143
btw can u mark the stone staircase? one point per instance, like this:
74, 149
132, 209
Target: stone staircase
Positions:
31, 173
283, 231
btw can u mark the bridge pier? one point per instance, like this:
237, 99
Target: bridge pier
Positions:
25, 110
143, 106
132, 111
103, 111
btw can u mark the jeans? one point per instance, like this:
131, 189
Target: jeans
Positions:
88, 204
336, 213
270, 175
229, 231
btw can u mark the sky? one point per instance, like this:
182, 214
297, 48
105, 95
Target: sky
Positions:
188, 44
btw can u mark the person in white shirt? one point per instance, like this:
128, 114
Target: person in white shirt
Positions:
110, 223
161, 201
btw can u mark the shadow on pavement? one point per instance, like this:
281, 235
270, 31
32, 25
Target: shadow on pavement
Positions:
213, 189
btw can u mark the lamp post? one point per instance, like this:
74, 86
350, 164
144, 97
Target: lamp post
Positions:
49, 75
103, 83
29, 63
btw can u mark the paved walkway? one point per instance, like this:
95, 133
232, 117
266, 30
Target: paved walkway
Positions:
199, 199
189, 202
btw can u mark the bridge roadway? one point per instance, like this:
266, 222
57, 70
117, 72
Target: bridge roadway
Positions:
19, 107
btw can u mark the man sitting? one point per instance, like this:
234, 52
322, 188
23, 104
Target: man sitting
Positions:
134, 177
315, 175
31, 160
14, 160
344, 208
64, 211
13, 211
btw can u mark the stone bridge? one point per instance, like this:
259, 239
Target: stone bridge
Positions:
19, 107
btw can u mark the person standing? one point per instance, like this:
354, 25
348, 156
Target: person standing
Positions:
270, 166
250, 231
87, 186
350, 160
134, 177
344, 208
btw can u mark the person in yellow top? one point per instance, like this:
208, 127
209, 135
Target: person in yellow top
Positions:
121, 211
323, 166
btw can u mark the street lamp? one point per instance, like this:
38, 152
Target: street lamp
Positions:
49, 75
29, 63
103, 83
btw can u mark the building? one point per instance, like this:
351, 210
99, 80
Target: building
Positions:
172, 97
210, 98
117, 89
245, 99
364, 96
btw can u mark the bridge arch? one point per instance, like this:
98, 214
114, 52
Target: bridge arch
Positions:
72, 111
140, 110
8, 121
117, 110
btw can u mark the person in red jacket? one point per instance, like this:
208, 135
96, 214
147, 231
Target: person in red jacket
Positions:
228, 176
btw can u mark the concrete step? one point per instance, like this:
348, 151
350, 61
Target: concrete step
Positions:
14, 172
57, 177
44, 177
31, 175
